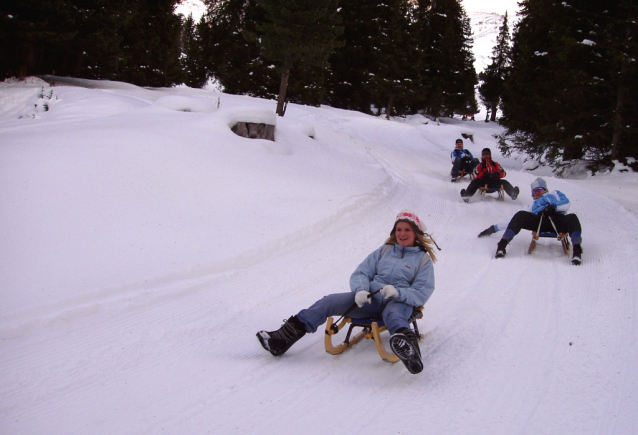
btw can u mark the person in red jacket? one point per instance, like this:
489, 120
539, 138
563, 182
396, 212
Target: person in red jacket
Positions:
491, 173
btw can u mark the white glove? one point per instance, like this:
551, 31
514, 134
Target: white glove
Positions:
389, 292
362, 297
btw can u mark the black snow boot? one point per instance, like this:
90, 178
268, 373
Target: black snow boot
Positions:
500, 248
405, 345
279, 341
515, 193
464, 195
577, 254
488, 232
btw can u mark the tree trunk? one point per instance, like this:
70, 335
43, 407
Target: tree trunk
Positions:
388, 111
283, 86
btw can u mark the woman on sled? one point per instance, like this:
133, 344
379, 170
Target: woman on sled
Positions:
388, 284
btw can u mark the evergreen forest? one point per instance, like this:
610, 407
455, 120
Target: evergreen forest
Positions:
562, 75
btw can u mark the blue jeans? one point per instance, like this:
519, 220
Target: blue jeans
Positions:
394, 314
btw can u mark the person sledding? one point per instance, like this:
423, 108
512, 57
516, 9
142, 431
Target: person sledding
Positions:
463, 163
547, 213
490, 175
384, 285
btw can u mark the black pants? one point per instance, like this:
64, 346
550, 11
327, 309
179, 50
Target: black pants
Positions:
479, 182
525, 220
463, 165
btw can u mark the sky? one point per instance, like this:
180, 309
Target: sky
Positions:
143, 245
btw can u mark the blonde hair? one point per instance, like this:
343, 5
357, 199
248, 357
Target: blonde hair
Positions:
423, 240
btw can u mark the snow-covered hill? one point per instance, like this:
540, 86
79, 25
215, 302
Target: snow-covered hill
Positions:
485, 27
143, 245
196, 8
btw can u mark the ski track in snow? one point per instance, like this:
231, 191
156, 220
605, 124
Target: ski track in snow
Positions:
177, 353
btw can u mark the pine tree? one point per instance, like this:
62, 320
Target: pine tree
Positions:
623, 52
569, 81
195, 74
134, 40
449, 77
97, 50
298, 32
493, 78
35, 34
390, 81
151, 44
350, 64
230, 54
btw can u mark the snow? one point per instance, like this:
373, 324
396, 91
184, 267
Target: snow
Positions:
196, 8
495, 6
144, 244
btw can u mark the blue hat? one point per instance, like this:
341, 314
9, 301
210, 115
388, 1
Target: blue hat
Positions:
539, 182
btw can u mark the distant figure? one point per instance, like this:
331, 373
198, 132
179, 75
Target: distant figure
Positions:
489, 173
463, 163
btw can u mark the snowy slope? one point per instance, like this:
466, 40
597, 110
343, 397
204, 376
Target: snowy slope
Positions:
144, 245
196, 8
485, 28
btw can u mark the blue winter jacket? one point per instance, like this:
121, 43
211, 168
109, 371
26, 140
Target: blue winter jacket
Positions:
397, 266
556, 197
459, 153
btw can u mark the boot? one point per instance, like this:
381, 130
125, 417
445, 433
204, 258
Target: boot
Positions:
464, 196
279, 341
515, 193
488, 232
577, 253
500, 249
405, 345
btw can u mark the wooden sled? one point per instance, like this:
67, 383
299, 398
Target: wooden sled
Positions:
371, 329
461, 175
500, 191
561, 237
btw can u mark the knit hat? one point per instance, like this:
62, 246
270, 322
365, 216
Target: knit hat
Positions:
409, 216
486, 151
539, 182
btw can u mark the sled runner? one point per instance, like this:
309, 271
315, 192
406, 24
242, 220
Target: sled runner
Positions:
485, 189
461, 175
561, 237
371, 329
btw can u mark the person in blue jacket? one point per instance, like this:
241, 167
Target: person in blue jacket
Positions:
462, 161
549, 204
389, 283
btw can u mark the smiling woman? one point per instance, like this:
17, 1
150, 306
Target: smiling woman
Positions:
405, 234
387, 285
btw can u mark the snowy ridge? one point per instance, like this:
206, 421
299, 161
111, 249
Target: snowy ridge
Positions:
144, 244
196, 8
485, 28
